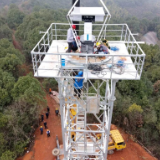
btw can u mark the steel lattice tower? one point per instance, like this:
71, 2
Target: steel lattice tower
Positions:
84, 118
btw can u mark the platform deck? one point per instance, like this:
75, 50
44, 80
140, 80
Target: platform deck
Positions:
51, 63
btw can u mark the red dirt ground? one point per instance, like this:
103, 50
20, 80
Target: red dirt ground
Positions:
43, 146
133, 151
16, 43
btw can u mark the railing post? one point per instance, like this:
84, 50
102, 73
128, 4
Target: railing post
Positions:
55, 31
122, 32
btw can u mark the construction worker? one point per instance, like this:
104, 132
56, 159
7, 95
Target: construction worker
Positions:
101, 48
105, 42
50, 91
45, 124
41, 129
70, 38
57, 111
42, 117
48, 109
47, 115
78, 84
48, 133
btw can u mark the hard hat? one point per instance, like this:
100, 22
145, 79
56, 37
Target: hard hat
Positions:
74, 26
41, 127
80, 73
98, 44
56, 108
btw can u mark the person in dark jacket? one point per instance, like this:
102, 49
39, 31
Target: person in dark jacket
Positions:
42, 117
78, 84
48, 109
47, 115
41, 129
45, 124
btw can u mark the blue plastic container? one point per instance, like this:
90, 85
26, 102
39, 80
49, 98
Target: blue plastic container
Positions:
120, 63
63, 62
114, 48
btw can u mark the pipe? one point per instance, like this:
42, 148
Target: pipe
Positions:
77, 26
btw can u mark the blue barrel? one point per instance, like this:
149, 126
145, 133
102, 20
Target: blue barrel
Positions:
63, 62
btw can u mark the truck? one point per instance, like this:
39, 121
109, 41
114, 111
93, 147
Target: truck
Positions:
116, 142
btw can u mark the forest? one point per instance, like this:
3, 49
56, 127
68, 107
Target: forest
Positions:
22, 97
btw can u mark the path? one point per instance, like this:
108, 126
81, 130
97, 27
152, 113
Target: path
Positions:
43, 145
16, 43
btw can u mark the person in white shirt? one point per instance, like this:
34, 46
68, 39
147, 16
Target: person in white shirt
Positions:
70, 38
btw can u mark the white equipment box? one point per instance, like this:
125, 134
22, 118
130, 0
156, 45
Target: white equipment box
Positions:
88, 14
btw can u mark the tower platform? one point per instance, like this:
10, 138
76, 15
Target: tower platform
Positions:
51, 64
50, 59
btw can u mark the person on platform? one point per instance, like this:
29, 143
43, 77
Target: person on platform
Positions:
70, 38
105, 42
101, 48
78, 84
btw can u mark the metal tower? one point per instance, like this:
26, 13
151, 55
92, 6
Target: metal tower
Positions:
90, 115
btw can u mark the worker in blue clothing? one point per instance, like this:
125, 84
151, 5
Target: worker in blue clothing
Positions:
78, 84
41, 129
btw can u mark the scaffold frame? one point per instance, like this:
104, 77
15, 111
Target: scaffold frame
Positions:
50, 60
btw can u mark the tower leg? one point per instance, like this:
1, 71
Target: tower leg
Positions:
110, 112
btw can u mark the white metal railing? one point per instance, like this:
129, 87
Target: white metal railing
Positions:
115, 33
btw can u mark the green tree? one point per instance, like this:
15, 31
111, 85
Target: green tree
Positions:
8, 155
11, 64
2, 143
5, 31
135, 116
6, 84
6, 47
15, 17
50, 83
29, 89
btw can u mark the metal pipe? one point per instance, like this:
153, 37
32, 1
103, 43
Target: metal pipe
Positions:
74, 22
